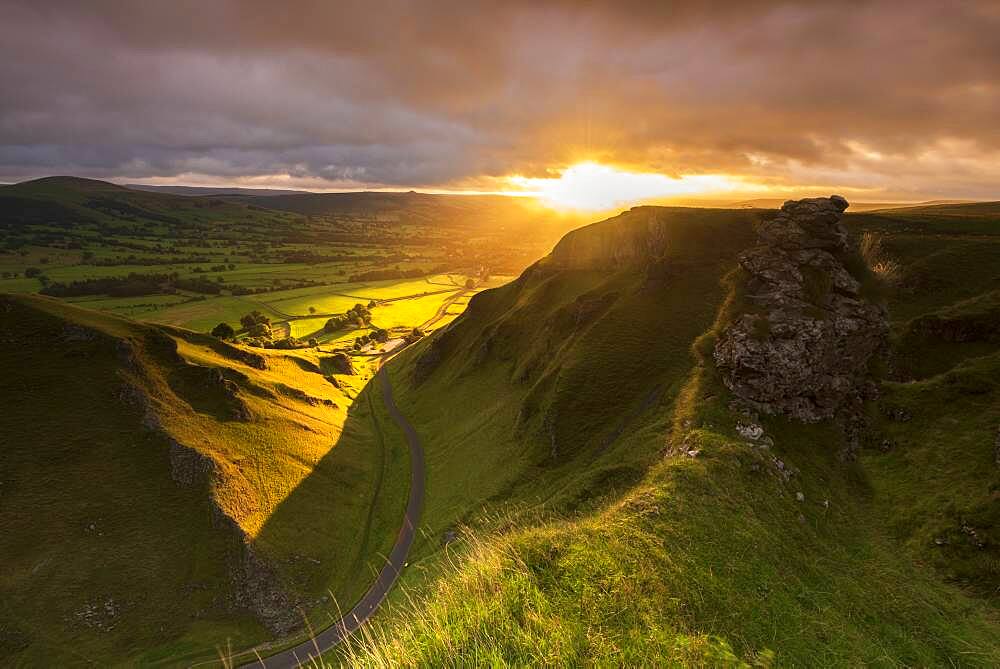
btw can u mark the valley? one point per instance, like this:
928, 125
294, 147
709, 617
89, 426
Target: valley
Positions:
499, 334
552, 466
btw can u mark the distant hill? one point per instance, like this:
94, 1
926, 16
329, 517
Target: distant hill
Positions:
775, 203
458, 211
195, 191
70, 201
949, 209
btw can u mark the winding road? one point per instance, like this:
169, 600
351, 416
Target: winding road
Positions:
353, 619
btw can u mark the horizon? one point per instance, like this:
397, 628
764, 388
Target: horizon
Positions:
678, 201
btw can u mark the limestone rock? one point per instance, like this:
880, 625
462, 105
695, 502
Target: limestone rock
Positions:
187, 466
342, 364
802, 344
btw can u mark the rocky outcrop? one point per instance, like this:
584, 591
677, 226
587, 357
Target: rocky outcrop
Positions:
636, 235
188, 466
429, 359
802, 337
341, 363
259, 589
256, 586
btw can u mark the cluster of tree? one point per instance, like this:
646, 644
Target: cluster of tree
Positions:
357, 316
145, 260
133, 285
313, 258
380, 336
223, 331
257, 325
289, 343
215, 268
384, 274
199, 285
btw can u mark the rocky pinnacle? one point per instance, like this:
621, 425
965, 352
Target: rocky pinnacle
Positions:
803, 335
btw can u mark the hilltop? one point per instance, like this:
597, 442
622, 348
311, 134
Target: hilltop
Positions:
647, 504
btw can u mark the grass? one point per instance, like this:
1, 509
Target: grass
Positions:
710, 560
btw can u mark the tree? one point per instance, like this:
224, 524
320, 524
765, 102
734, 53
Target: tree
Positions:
372, 304
313, 343
32, 272
312, 310
223, 331
257, 324
470, 283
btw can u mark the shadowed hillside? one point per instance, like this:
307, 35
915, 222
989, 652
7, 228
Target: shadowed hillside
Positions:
165, 493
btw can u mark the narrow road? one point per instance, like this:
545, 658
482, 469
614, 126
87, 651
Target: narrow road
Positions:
443, 309
333, 635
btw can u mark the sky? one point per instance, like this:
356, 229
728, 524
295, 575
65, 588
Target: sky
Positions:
882, 101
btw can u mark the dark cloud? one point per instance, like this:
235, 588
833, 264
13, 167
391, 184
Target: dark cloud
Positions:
898, 97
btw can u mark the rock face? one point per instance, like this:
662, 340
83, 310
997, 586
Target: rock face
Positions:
801, 344
342, 364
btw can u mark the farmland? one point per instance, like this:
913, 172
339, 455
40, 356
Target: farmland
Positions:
195, 262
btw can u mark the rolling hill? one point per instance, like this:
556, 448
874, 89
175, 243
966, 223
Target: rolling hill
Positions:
72, 202
639, 512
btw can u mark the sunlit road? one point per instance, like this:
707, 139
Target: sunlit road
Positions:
333, 635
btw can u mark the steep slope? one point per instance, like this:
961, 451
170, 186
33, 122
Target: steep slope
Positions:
530, 393
685, 528
164, 493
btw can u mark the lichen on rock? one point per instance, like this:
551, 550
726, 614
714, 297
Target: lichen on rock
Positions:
802, 337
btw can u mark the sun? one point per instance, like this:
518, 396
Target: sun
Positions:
590, 186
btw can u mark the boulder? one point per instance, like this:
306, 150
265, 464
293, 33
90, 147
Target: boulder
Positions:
801, 341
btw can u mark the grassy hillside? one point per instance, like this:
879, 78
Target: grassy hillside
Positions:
142, 466
630, 523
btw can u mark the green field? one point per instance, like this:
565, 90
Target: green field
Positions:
194, 262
